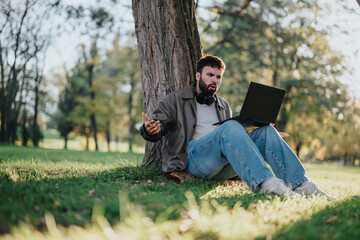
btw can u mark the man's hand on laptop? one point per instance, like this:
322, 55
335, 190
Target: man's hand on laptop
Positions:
282, 134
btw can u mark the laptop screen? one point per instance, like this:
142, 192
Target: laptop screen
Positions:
262, 103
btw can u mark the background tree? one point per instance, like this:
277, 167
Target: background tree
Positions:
98, 22
119, 87
23, 40
73, 105
66, 105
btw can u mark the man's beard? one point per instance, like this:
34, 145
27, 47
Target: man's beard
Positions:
205, 88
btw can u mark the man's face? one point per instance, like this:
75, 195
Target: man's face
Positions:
209, 80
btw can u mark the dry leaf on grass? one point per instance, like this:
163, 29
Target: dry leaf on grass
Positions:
332, 219
91, 192
182, 176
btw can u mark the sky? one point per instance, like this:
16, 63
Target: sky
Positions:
65, 49
348, 44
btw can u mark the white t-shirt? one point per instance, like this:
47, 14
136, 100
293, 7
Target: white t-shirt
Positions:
206, 116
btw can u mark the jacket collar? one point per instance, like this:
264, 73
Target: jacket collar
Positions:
187, 93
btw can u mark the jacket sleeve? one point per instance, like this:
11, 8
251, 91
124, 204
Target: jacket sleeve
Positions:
165, 113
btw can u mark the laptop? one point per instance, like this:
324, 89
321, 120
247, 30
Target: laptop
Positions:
261, 105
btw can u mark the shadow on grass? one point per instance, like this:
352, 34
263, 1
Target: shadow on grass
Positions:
339, 221
70, 195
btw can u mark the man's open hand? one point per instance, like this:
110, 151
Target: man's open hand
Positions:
152, 127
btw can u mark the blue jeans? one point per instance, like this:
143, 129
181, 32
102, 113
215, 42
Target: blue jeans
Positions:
229, 151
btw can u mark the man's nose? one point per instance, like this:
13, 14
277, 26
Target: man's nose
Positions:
215, 80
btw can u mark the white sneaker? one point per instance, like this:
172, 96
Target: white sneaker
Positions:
277, 186
309, 188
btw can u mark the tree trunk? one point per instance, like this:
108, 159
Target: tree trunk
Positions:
92, 99
345, 159
24, 131
66, 137
12, 87
10, 118
298, 148
87, 140
169, 48
130, 107
108, 136
35, 130
2, 99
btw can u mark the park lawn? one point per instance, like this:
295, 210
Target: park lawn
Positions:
56, 194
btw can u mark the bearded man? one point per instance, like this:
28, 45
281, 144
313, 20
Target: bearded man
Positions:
184, 120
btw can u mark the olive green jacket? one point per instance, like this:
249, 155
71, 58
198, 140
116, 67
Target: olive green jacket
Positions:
177, 115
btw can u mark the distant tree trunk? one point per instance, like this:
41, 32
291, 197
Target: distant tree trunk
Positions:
66, 138
87, 141
130, 107
275, 77
2, 99
131, 134
169, 48
108, 136
10, 120
11, 89
298, 148
345, 159
35, 130
92, 99
24, 130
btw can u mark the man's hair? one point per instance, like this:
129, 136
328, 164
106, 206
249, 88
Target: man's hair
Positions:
210, 60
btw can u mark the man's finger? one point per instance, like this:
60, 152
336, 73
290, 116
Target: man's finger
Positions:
283, 134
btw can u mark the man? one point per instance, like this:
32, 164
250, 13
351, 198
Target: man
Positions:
184, 121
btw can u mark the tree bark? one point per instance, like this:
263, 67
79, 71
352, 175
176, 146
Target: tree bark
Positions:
169, 48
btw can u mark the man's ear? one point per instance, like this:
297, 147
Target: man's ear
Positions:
198, 74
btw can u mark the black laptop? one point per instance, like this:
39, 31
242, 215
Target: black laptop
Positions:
261, 105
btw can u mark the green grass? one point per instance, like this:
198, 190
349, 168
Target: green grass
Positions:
56, 194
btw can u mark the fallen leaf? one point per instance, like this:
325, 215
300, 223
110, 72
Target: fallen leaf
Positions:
332, 219
182, 176
91, 192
